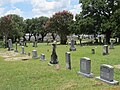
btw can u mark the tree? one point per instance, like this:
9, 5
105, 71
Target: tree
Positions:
60, 23
101, 11
10, 25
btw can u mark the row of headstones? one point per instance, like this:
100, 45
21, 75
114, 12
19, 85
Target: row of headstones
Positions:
106, 71
10, 45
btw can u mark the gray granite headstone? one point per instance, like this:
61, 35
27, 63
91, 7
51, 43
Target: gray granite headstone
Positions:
68, 60
54, 59
72, 47
111, 45
85, 67
105, 50
42, 57
107, 74
10, 45
23, 50
34, 54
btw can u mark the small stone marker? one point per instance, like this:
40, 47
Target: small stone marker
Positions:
10, 45
23, 51
42, 57
111, 45
107, 74
85, 67
93, 51
54, 59
105, 50
34, 54
68, 60
72, 47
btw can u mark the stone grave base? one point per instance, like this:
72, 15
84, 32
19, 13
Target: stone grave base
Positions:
72, 49
13, 56
35, 57
86, 75
114, 82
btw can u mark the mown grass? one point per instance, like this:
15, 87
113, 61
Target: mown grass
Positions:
37, 75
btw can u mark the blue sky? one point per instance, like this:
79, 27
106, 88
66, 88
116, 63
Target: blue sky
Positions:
37, 8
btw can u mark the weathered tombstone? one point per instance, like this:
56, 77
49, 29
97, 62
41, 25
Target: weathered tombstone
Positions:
23, 50
111, 45
72, 47
68, 60
54, 59
10, 45
34, 54
85, 67
33, 40
107, 74
93, 51
42, 57
105, 50
16, 47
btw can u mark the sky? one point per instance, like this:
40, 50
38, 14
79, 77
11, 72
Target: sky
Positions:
37, 8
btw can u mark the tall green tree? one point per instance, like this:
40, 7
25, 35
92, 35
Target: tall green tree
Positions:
101, 11
11, 26
60, 23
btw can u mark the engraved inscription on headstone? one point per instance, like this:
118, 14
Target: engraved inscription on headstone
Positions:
107, 74
85, 67
68, 60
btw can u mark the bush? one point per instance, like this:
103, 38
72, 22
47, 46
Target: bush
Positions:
1, 44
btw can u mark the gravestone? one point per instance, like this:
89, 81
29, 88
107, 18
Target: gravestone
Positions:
54, 59
10, 45
105, 50
42, 57
68, 60
33, 40
111, 44
93, 51
23, 50
85, 67
72, 47
16, 47
107, 74
34, 54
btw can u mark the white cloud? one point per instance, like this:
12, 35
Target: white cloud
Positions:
1, 11
76, 9
14, 11
44, 8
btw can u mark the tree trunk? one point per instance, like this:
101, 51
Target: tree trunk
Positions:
107, 37
53, 36
100, 40
63, 39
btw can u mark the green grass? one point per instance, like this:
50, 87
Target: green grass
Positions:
37, 75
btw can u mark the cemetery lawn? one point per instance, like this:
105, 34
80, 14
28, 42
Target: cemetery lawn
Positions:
37, 75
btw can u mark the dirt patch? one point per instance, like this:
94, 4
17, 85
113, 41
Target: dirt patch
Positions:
117, 66
113, 88
13, 56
